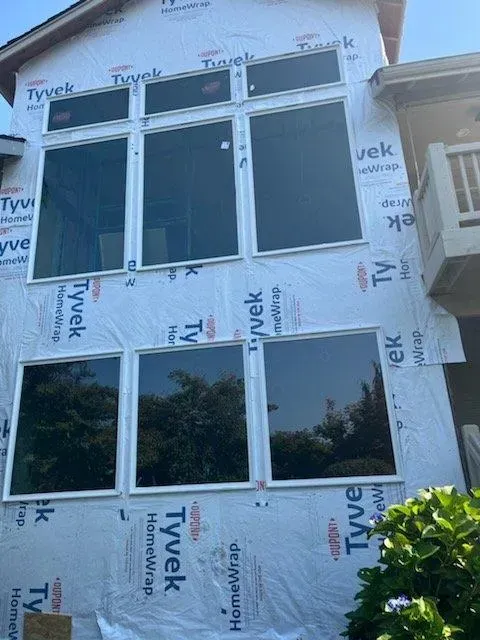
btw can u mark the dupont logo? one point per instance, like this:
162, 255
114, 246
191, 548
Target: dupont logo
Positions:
362, 276
211, 328
120, 67
7, 191
305, 37
62, 116
36, 83
334, 539
96, 289
210, 53
194, 522
57, 596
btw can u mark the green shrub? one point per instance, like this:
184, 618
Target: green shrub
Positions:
429, 586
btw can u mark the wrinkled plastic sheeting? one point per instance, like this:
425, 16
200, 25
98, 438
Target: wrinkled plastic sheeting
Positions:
299, 554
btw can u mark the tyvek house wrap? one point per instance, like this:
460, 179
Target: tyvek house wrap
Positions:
263, 563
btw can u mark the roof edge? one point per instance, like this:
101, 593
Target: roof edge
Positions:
61, 26
391, 18
398, 80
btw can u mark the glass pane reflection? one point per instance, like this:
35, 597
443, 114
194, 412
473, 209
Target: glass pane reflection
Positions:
191, 417
304, 185
327, 409
67, 427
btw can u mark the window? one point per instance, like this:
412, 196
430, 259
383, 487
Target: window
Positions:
189, 206
66, 436
187, 180
293, 72
304, 186
90, 108
82, 210
188, 91
327, 413
191, 417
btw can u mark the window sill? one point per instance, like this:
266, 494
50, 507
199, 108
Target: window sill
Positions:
61, 495
190, 263
192, 488
313, 247
334, 482
77, 276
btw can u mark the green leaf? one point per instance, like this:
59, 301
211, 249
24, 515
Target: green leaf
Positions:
425, 549
443, 522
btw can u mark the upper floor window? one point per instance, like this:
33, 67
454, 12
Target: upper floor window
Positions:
303, 178
89, 108
82, 210
293, 72
189, 199
217, 165
185, 92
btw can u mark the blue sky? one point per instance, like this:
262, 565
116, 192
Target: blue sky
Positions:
433, 28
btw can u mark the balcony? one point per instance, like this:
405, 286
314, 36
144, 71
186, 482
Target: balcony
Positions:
447, 206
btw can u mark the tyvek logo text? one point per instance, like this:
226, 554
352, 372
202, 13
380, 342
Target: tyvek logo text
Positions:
234, 610
176, 6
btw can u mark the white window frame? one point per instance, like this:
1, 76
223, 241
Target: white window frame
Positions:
239, 109
185, 110
38, 198
55, 495
295, 54
334, 97
251, 449
334, 481
238, 198
79, 94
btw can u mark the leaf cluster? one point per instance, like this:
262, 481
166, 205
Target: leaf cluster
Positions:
430, 553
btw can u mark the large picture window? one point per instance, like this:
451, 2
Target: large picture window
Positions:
303, 178
189, 203
66, 437
327, 412
192, 418
82, 210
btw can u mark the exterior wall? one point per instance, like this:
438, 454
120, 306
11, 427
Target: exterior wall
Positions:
87, 557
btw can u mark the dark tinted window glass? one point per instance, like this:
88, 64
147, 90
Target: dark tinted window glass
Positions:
82, 212
191, 417
104, 106
190, 91
189, 210
296, 72
327, 410
67, 427
304, 186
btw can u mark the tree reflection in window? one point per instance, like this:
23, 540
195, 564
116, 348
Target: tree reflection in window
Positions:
191, 418
350, 440
67, 427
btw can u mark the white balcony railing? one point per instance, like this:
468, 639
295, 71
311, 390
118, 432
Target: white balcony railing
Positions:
448, 196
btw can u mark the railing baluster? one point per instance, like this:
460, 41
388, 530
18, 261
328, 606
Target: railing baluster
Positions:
476, 169
466, 185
